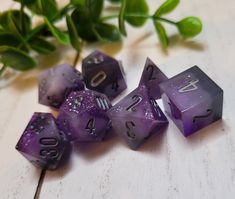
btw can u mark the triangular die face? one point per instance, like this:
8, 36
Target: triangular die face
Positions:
152, 76
136, 104
152, 73
96, 59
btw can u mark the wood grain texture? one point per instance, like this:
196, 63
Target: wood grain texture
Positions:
168, 166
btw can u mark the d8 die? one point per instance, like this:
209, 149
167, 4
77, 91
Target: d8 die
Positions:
103, 74
42, 143
56, 84
137, 116
192, 100
152, 76
83, 116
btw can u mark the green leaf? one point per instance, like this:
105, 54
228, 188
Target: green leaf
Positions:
73, 35
136, 7
8, 39
14, 23
49, 9
166, 7
16, 59
83, 23
189, 26
95, 8
26, 2
42, 46
121, 20
107, 32
35, 7
161, 34
78, 2
59, 35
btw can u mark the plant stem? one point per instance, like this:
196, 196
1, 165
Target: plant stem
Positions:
22, 18
165, 20
140, 16
4, 67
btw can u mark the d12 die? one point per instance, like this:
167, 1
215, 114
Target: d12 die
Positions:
42, 143
83, 116
56, 84
103, 74
137, 116
192, 100
152, 76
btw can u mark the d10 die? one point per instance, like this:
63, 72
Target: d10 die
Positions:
42, 143
83, 116
56, 84
152, 76
137, 116
103, 74
192, 100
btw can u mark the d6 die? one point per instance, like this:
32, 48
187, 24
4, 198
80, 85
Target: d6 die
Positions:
137, 116
103, 74
42, 143
152, 76
56, 84
83, 116
192, 100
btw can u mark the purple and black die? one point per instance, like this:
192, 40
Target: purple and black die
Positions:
103, 74
42, 143
56, 84
152, 76
192, 100
83, 116
136, 117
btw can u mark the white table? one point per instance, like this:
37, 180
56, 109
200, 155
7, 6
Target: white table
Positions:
167, 166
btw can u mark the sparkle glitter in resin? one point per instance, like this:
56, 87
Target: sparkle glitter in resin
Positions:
137, 116
192, 100
42, 143
56, 84
83, 116
103, 74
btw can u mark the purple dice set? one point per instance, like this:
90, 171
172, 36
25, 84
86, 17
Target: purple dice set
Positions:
191, 99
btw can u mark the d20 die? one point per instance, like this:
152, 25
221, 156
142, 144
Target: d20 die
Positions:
42, 143
192, 100
83, 116
152, 76
136, 117
56, 84
104, 74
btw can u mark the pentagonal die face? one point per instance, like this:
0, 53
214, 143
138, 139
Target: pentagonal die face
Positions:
151, 77
56, 84
192, 100
83, 116
137, 116
103, 74
42, 143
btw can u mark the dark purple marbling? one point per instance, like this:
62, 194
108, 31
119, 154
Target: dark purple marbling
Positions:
83, 116
56, 84
42, 143
152, 76
137, 116
104, 74
192, 100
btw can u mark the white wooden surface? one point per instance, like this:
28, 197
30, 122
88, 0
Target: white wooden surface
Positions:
167, 166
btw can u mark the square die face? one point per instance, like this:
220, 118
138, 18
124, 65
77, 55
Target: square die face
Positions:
192, 99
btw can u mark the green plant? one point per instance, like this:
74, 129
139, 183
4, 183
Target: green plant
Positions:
84, 22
